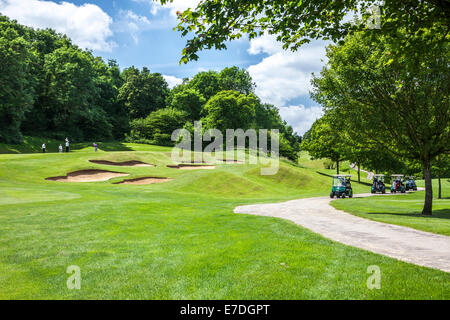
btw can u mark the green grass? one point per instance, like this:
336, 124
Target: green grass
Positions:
178, 240
404, 210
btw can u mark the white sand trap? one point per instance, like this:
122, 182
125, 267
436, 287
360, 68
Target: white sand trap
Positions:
132, 163
88, 176
144, 181
192, 167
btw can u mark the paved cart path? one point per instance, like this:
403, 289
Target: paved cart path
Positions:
402, 243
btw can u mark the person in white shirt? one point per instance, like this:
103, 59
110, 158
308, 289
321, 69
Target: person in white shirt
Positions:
60, 149
67, 145
43, 148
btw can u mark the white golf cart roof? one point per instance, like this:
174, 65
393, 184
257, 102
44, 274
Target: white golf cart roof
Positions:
398, 175
378, 175
342, 176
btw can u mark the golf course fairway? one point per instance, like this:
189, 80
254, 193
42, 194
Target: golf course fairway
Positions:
179, 239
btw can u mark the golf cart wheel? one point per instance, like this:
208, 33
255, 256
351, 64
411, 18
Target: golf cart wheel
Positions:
343, 196
332, 195
384, 191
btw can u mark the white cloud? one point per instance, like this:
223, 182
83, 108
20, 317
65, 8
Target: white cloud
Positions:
87, 25
132, 23
172, 81
284, 75
174, 6
265, 44
301, 118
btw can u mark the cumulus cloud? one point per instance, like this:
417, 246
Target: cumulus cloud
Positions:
172, 81
174, 6
132, 23
87, 25
284, 75
301, 118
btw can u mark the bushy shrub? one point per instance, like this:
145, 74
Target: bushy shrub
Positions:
158, 127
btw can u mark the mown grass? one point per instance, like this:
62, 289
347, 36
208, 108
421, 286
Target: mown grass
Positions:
178, 240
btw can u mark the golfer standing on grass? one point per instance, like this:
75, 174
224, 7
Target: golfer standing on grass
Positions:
60, 149
67, 145
43, 147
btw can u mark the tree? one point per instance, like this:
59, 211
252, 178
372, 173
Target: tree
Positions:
325, 141
236, 79
143, 92
109, 81
73, 95
206, 83
190, 101
158, 127
399, 102
17, 83
214, 23
441, 166
230, 110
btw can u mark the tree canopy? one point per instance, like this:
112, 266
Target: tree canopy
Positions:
143, 92
295, 23
401, 104
230, 110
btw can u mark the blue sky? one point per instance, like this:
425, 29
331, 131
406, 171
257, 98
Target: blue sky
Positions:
140, 33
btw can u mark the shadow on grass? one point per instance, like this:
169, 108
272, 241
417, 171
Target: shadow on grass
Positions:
437, 214
34, 145
105, 146
329, 175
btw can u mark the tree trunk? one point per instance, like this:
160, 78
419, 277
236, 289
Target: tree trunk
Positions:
359, 174
440, 186
337, 166
428, 207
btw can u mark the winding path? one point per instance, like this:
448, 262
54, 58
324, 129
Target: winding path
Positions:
369, 174
402, 243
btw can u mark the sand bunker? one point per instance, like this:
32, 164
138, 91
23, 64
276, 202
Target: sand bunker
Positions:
192, 167
88, 176
133, 163
143, 181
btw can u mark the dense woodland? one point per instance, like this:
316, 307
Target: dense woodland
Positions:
51, 88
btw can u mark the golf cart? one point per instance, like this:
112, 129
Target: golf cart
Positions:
342, 187
378, 184
397, 184
411, 184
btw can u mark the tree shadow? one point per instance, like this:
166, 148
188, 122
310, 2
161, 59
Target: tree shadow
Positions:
437, 214
105, 146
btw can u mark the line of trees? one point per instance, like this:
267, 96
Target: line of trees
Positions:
49, 87
385, 109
